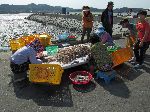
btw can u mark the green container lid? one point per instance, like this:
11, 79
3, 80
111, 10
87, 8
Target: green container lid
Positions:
112, 48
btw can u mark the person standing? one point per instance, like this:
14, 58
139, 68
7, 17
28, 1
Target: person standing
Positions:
87, 23
107, 18
143, 42
131, 38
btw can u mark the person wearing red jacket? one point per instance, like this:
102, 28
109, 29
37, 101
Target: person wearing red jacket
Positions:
143, 41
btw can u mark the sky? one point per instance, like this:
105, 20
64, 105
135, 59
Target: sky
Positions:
77, 4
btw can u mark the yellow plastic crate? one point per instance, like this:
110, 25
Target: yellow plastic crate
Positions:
36, 35
16, 44
45, 73
45, 39
28, 39
122, 55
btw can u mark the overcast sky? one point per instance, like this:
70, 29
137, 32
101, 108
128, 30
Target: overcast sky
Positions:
79, 3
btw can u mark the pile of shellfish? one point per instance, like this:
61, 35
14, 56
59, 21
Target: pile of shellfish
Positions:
68, 54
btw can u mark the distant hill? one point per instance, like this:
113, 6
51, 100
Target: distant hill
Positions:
43, 8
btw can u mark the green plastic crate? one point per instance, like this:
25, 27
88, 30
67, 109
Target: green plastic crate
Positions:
52, 50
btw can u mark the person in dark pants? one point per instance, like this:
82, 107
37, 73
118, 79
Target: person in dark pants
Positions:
107, 18
87, 23
20, 60
143, 42
139, 52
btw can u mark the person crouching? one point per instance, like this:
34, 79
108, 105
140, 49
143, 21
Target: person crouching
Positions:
20, 60
102, 36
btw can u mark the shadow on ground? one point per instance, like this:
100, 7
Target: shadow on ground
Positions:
46, 95
60, 96
117, 86
85, 88
57, 96
127, 72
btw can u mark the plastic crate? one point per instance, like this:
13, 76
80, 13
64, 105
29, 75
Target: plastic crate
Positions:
45, 39
130, 41
122, 55
16, 44
52, 50
45, 73
28, 39
36, 35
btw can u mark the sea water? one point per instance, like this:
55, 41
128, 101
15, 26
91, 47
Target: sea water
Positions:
15, 25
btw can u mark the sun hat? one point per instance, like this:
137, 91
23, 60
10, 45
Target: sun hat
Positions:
100, 31
86, 10
110, 3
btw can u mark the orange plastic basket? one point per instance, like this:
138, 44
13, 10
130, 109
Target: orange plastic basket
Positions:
16, 44
122, 55
45, 73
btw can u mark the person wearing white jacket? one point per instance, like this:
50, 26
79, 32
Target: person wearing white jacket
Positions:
20, 60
